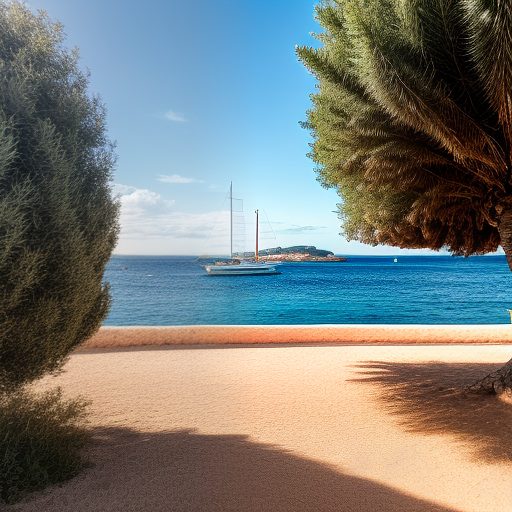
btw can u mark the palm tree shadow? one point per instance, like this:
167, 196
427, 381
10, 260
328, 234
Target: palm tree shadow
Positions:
186, 471
427, 398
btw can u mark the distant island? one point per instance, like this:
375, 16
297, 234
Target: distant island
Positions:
296, 253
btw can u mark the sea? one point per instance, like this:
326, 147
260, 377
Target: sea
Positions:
175, 290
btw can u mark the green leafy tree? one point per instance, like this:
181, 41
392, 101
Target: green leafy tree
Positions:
412, 123
58, 221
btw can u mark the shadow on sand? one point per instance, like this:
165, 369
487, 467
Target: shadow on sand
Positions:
428, 398
185, 471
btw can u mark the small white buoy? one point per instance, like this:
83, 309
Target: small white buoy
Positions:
395, 260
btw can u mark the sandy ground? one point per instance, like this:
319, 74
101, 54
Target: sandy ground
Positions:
255, 334
288, 428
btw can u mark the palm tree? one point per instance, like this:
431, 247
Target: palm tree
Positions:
412, 123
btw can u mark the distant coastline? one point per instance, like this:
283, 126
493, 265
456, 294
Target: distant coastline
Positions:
297, 253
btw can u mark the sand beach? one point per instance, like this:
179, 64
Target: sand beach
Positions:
290, 427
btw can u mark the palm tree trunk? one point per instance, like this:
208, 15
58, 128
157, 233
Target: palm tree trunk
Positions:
495, 383
499, 381
505, 230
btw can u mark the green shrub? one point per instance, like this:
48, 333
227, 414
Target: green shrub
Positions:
41, 437
58, 221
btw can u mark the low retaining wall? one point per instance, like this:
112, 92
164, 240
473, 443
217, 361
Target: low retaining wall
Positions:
108, 337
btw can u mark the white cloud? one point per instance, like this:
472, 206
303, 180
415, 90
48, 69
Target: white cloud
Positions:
176, 117
119, 189
151, 225
177, 179
142, 199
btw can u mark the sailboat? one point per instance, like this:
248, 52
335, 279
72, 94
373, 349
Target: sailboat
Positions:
243, 268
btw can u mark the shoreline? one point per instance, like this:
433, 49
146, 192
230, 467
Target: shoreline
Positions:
347, 334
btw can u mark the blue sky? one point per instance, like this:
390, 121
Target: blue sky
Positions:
200, 93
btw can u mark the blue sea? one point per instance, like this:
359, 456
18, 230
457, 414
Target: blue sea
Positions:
175, 290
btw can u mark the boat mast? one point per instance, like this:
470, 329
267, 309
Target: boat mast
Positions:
231, 219
256, 252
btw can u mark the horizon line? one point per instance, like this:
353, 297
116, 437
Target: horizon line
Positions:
336, 254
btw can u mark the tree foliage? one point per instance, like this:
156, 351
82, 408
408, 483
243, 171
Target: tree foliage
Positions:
58, 222
412, 120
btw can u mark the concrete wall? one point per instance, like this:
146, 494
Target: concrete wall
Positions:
344, 334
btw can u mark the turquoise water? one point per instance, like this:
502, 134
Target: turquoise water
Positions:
175, 290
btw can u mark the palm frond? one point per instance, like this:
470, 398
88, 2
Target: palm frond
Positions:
412, 119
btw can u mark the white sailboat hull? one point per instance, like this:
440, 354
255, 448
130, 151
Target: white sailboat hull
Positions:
241, 270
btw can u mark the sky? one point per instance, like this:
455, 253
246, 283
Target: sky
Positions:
200, 93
